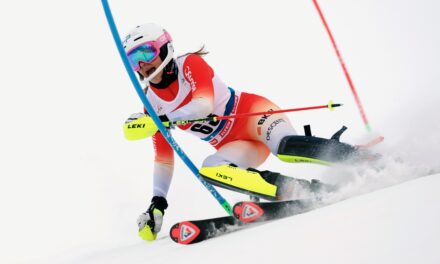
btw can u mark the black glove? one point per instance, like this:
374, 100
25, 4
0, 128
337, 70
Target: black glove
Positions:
150, 222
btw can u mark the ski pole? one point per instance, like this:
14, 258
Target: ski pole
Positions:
330, 106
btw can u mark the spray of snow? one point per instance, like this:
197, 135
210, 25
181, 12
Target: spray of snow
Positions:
410, 153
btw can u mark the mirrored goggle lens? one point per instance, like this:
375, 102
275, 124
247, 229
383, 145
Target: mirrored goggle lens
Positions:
145, 53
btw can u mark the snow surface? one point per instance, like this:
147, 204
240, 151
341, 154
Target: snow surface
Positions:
392, 225
72, 187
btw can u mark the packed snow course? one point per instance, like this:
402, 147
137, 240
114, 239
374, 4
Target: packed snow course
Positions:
398, 224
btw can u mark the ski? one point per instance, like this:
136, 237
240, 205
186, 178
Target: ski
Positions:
248, 212
190, 232
245, 214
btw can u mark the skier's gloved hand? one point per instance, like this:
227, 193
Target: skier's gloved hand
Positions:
150, 222
140, 126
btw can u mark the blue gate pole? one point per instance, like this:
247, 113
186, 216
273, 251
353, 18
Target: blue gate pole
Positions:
153, 114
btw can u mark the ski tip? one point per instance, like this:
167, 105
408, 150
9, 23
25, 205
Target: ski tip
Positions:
184, 233
248, 212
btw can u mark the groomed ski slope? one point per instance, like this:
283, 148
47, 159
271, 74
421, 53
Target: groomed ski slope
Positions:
398, 224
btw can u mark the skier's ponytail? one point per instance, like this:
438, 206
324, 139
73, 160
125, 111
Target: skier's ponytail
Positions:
201, 52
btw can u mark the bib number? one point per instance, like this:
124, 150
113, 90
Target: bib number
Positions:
205, 128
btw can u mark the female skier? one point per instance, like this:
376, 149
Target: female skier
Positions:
186, 88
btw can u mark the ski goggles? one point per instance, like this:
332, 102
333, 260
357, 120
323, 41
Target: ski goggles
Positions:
147, 51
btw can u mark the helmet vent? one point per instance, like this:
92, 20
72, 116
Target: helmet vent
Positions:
138, 38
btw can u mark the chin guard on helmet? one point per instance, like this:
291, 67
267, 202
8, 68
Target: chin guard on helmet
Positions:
168, 58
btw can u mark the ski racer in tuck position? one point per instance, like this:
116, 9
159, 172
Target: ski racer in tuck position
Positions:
185, 88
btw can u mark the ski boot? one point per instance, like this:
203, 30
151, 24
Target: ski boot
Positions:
268, 185
294, 149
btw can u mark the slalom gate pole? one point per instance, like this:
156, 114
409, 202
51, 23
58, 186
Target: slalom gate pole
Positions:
344, 68
226, 206
330, 106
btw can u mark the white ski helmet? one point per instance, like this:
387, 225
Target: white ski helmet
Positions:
150, 32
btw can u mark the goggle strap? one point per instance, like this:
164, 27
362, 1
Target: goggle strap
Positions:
164, 38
